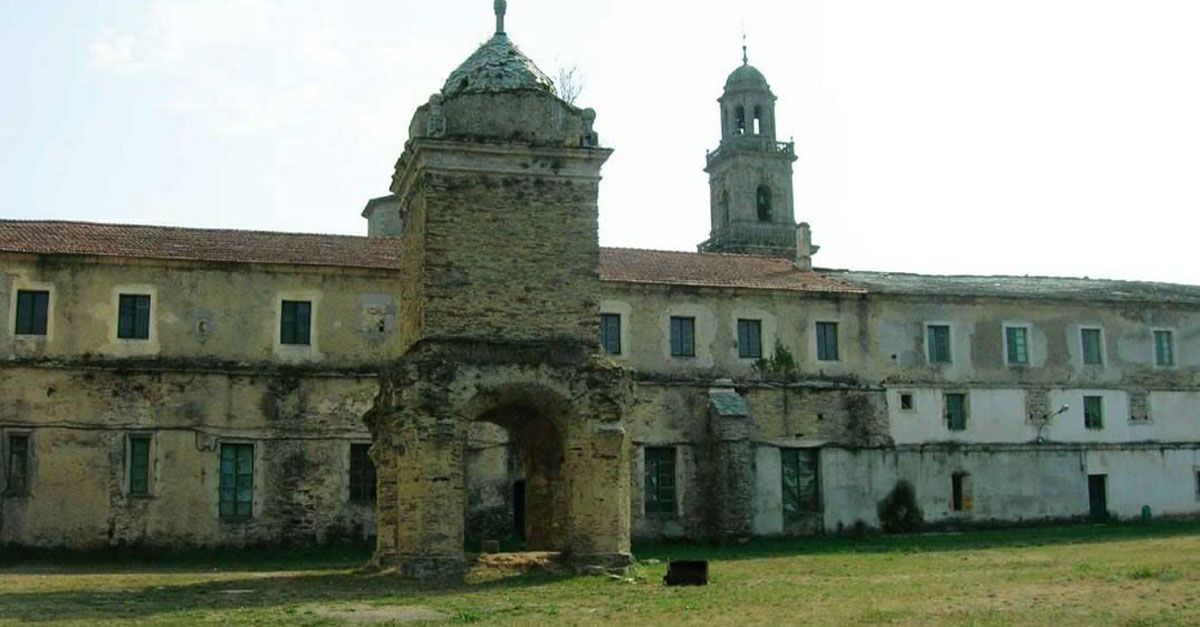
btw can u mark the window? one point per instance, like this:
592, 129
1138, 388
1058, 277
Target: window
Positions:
906, 401
32, 312
956, 412
660, 480
827, 341
758, 121
237, 481
295, 325
610, 333
683, 337
1093, 412
1016, 339
133, 317
749, 339
961, 497
1164, 348
1093, 347
724, 206
938, 336
362, 474
139, 465
764, 204
801, 491
739, 121
1198, 484
16, 468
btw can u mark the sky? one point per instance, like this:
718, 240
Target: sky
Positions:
1043, 137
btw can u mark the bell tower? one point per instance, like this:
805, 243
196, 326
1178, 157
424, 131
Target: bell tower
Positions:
750, 176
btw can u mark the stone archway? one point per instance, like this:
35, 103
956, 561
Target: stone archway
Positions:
564, 404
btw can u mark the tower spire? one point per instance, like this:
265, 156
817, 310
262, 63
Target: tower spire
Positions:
501, 7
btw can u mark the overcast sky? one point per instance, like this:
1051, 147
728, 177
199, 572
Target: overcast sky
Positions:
1055, 137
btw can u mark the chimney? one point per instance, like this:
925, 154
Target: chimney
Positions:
804, 247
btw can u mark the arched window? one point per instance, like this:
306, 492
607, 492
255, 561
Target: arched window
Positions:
758, 128
724, 207
764, 204
739, 121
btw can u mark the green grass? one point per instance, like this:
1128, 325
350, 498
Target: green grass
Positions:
1110, 574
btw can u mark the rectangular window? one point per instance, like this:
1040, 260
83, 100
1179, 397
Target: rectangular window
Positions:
749, 339
362, 474
1093, 412
1093, 347
16, 470
610, 333
139, 465
906, 402
237, 481
660, 480
133, 317
827, 341
938, 336
295, 325
32, 312
956, 412
960, 492
1017, 341
1198, 484
801, 490
1164, 348
683, 337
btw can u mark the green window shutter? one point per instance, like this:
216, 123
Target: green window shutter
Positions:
17, 468
133, 317
295, 324
237, 481
32, 312
956, 412
125, 317
789, 460
1018, 345
750, 339
683, 337
1164, 348
827, 341
660, 480
139, 465
939, 344
610, 333
1093, 347
1093, 412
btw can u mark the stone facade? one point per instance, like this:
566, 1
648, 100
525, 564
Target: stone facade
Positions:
515, 382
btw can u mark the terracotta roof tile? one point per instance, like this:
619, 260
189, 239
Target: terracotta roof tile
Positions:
714, 270
209, 245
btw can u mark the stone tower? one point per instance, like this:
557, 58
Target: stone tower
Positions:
497, 198
750, 176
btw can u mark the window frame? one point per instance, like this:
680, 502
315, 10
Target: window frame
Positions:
653, 458
753, 347
289, 336
1096, 423
962, 493
1172, 348
798, 509
363, 482
912, 401
35, 329
929, 347
235, 515
966, 411
822, 348
129, 304
677, 348
130, 467
1027, 331
606, 336
26, 487
1083, 348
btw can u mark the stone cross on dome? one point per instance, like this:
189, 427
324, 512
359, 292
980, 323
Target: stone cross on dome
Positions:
501, 8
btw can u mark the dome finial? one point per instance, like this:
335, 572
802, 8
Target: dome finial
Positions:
501, 9
745, 52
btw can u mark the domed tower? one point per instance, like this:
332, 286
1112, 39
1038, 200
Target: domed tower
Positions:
750, 176
495, 203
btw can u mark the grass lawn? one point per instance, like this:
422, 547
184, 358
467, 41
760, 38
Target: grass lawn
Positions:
1115, 574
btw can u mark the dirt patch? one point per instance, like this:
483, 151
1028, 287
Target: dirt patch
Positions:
375, 614
492, 565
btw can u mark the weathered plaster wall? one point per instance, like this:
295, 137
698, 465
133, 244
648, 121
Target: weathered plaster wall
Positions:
301, 425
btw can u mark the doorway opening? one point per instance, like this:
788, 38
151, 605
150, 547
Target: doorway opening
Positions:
1098, 497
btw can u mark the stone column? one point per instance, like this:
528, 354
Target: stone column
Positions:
598, 466
430, 501
733, 459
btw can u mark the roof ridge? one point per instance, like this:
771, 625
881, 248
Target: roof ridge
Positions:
130, 225
1048, 277
692, 252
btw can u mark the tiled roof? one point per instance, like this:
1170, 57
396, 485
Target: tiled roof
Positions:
209, 245
714, 270
1023, 287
